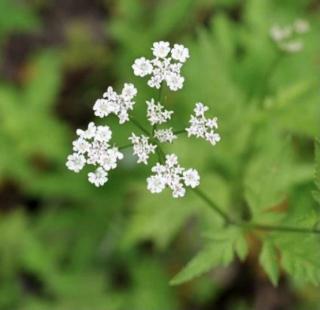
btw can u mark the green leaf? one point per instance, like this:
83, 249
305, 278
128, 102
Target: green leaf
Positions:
40, 92
300, 256
268, 260
157, 222
14, 16
216, 254
241, 247
296, 107
317, 177
268, 177
220, 251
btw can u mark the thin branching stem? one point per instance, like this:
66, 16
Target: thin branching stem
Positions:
275, 228
181, 131
213, 206
126, 146
252, 226
138, 125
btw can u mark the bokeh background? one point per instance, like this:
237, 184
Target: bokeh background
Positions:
65, 245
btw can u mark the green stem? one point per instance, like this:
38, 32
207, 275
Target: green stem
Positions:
254, 226
227, 219
178, 132
154, 127
213, 206
126, 146
160, 92
138, 125
284, 229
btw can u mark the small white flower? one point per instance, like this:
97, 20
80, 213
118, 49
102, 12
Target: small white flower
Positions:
292, 46
92, 147
116, 104
156, 113
75, 162
103, 134
180, 53
80, 145
171, 160
286, 37
142, 67
213, 137
301, 26
156, 184
191, 178
174, 81
165, 67
165, 135
178, 190
161, 49
142, 148
202, 127
128, 91
104, 107
89, 132
172, 175
200, 109
98, 177
279, 33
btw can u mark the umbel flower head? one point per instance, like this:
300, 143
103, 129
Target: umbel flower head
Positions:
93, 147
172, 175
164, 67
165, 135
202, 127
142, 148
119, 105
156, 113
288, 38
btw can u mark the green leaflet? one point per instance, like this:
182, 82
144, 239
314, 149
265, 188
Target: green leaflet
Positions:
157, 223
300, 256
17, 17
43, 88
268, 260
317, 176
316, 194
220, 251
268, 177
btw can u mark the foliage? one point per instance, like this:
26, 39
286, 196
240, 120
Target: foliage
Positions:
66, 245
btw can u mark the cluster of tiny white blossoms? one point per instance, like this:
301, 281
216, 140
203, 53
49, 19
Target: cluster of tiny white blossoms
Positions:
202, 127
287, 37
156, 113
92, 147
119, 105
165, 135
172, 175
142, 148
164, 67
93, 144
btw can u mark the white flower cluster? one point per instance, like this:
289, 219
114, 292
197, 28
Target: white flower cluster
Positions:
165, 66
156, 113
142, 148
286, 37
92, 147
202, 127
116, 104
174, 176
165, 135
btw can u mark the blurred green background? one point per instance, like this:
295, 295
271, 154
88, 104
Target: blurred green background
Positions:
65, 245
